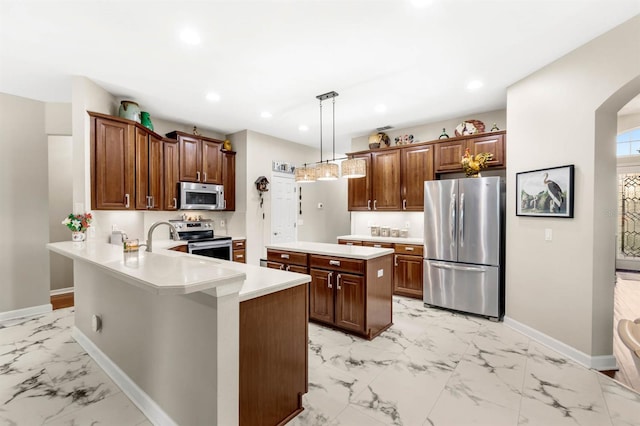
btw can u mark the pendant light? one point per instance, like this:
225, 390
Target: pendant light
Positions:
305, 174
354, 168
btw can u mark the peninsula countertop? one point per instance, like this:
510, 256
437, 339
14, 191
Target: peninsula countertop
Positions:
166, 272
328, 249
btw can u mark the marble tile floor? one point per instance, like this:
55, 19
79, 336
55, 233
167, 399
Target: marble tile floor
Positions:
432, 368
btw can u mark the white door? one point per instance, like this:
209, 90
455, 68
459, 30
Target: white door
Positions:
283, 208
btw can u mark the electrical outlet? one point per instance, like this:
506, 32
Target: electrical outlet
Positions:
407, 225
548, 235
223, 223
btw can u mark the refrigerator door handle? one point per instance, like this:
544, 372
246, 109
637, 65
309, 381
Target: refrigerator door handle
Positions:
452, 224
461, 220
458, 268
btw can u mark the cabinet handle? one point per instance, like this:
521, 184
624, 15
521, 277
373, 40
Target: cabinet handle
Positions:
375, 206
395, 260
287, 268
149, 202
224, 204
281, 267
239, 256
368, 204
126, 200
334, 262
338, 281
329, 276
408, 248
198, 176
175, 203
204, 177
404, 204
377, 245
284, 256
153, 203
349, 244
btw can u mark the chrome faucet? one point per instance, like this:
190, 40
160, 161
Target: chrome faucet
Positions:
149, 243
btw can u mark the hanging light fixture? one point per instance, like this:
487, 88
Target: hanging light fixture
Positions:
325, 170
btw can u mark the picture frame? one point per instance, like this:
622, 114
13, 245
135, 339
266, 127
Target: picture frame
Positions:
545, 192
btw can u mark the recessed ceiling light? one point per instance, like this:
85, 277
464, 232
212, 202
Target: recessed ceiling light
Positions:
475, 85
190, 37
380, 108
265, 114
213, 97
303, 128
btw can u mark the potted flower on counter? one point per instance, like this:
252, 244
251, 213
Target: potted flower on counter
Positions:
78, 223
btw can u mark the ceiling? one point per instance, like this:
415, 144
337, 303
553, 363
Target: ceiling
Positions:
393, 62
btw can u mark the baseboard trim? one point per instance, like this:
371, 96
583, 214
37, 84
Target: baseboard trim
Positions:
60, 291
599, 363
148, 406
26, 312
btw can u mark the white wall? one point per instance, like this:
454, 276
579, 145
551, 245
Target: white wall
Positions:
563, 114
60, 205
24, 260
432, 131
628, 122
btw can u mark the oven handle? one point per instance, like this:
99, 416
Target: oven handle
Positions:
210, 244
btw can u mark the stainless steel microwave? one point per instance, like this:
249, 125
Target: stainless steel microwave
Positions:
201, 196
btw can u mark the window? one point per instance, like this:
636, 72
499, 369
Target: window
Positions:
628, 143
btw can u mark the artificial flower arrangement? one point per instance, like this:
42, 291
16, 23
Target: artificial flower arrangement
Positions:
78, 222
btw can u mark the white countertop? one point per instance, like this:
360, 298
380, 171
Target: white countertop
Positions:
398, 240
167, 272
327, 249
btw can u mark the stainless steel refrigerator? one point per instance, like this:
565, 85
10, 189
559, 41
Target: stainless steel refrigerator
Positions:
464, 245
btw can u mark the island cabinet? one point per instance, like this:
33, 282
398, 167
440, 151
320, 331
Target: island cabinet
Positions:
171, 173
407, 270
287, 261
200, 158
229, 179
351, 294
448, 154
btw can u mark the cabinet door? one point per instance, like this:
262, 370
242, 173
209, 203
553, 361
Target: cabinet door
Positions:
113, 168
171, 174
386, 180
229, 180
321, 302
448, 155
190, 161
493, 144
239, 256
142, 169
417, 167
350, 297
407, 276
359, 189
211, 162
156, 173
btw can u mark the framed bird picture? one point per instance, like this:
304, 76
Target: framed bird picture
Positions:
545, 192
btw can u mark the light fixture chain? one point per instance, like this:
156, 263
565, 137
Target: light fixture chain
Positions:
334, 128
320, 131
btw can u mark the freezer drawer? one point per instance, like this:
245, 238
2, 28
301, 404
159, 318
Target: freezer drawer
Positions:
463, 287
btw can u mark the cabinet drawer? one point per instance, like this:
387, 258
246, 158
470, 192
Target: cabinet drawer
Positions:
377, 244
287, 257
337, 264
409, 249
275, 265
239, 244
239, 256
297, 268
350, 242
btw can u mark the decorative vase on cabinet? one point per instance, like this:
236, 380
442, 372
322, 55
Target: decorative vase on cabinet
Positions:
129, 110
145, 120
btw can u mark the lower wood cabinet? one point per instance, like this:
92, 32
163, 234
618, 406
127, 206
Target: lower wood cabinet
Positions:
407, 270
287, 261
239, 251
351, 294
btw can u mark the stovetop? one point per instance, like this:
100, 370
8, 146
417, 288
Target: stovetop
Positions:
197, 230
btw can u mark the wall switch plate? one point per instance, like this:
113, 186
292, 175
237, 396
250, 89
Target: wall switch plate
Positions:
300, 222
380, 273
407, 225
223, 223
548, 234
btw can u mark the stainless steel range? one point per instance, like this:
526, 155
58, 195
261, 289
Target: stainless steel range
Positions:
202, 241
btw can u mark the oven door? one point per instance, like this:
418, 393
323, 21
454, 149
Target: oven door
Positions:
217, 249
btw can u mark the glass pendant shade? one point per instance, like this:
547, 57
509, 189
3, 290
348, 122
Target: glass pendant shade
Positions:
327, 171
354, 168
305, 174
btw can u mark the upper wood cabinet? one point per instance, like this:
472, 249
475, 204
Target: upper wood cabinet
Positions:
385, 177
200, 158
112, 164
149, 170
229, 179
448, 154
359, 189
417, 166
171, 173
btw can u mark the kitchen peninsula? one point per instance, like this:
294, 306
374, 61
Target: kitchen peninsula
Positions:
351, 286
193, 340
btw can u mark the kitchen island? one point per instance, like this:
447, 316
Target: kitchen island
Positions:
351, 286
193, 340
